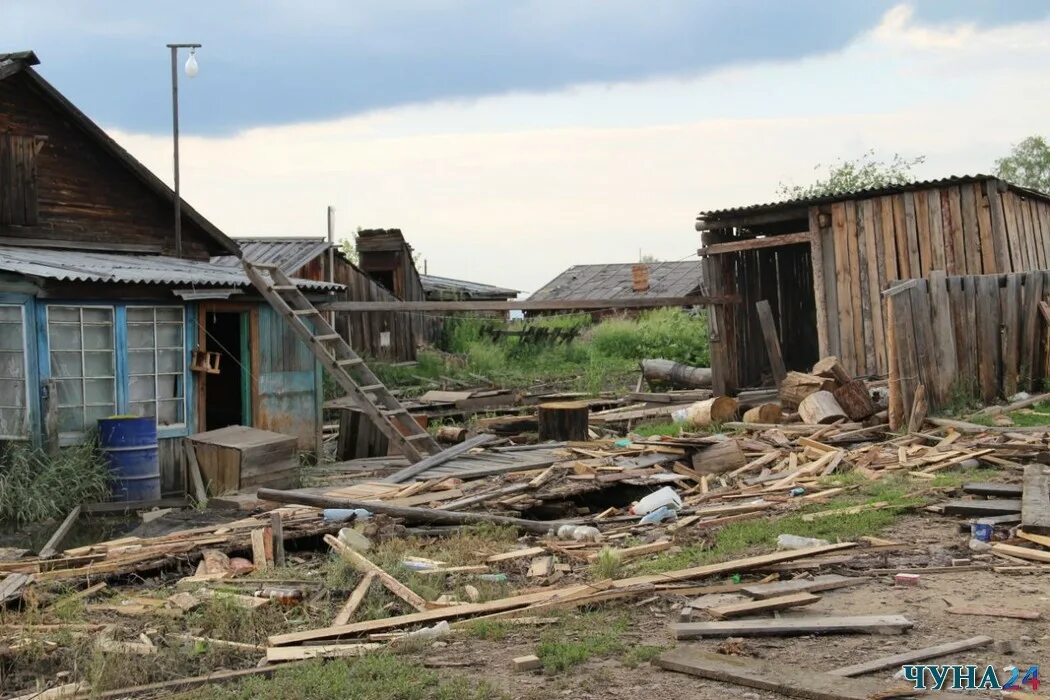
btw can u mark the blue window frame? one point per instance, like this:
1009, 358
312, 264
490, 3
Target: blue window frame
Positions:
15, 397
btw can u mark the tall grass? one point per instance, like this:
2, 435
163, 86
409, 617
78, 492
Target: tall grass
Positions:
35, 486
671, 334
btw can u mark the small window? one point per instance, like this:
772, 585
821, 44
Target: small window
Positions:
18, 198
156, 363
14, 419
80, 340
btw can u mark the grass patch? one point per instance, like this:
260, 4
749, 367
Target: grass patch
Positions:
491, 630
1039, 414
653, 429
375, 676
606, 565
35, 486
577, 640
641, 654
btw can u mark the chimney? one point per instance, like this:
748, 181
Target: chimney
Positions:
640, 277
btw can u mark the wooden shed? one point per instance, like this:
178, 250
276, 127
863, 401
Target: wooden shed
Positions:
823, 263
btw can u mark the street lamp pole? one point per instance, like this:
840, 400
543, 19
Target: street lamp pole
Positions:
175, 129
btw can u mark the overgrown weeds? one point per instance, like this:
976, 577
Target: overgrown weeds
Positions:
35, 486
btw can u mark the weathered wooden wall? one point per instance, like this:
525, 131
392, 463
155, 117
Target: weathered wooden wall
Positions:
85, 196
288, 382
972, 335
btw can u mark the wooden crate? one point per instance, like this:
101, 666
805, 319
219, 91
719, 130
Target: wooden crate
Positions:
238, 458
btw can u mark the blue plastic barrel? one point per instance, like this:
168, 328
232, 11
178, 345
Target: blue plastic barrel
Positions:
130, 446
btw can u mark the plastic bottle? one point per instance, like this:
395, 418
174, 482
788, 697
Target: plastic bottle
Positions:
284, 596
666, 496
659, 515
339, 515
796, 542
797, 491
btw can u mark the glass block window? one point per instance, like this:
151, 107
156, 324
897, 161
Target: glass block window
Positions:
14, 419
80, 341
156, 359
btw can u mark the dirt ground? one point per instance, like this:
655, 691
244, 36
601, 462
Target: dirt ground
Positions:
924, 605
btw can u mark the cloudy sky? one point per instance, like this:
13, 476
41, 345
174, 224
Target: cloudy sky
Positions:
512, 139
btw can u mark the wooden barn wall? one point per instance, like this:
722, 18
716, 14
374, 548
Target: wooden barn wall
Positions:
968, 229
977, 335
85, 195
288, 382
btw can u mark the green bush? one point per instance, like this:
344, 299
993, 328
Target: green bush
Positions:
35, 486
672, 334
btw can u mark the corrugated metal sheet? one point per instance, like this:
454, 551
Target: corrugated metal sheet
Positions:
613, 281
289, 253
441, 287
865, 193
83, 266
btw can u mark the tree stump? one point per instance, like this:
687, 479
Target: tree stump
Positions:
855, 399
798, 385
719, 458
451, 434
820, 407
563, 420
764, 413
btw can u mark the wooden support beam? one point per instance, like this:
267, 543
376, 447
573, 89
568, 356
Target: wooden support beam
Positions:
769, 333
51, 548
527, 304
756, 243
908, 657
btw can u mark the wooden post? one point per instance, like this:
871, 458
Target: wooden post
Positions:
816, 255
769, 332
563, 420
277, 528
51, 417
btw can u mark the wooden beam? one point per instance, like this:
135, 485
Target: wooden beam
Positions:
756, 243
527, 304
51, 548
793, 626
769, 333
908, 657
440, 458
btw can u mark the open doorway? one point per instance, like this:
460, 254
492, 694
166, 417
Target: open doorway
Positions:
225, 395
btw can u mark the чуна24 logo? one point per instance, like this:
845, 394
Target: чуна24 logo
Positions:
971, 677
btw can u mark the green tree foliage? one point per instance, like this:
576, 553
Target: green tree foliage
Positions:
1027, 165
852, 175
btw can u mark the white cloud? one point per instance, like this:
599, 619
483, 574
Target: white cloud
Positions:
511, 190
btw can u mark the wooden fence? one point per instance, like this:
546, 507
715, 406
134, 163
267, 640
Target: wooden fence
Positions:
965, 335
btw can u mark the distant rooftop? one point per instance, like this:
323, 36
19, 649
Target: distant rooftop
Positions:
614, 281
447, 288
289, 254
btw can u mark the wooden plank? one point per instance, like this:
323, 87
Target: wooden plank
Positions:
990, 247
909, 657
1035, 502
276, 655
971, 232
525, 304
364, 565
907, 237
853, 238
831, 289
887, 233
905, 350
793, 626
641, 550
781, 679
782, 602
1018, 250
988, 345
769, 334
1024, 223
1031, 328
277, 533
193, 468
922, 228
869, 291
937, 230
825, 582
755, 243
354, 601
1011, 331
947, 370
998, 229
925, 342
844, 292
993, 611
51, 547
999, 506
879, 280
997, 490
816, 256
961, 337
1022, 552
1036, 233
439, 459
952, 227
895, 407
516, 554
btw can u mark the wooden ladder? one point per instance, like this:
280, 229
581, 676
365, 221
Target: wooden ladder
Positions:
369, 393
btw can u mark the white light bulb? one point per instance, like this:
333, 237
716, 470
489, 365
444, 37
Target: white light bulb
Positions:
191, 65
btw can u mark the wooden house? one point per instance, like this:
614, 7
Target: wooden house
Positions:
621, 281
98, 316
823, 264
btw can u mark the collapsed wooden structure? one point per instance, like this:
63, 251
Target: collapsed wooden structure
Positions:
822, 263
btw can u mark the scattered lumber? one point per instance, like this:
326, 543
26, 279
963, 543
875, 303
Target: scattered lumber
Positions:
354, 601
1021, 552
826, 582
676, 374
365, 566
51, 547
1035, 500
787, 680
791, 600
321, 651
869, 624
438, 459
908, 657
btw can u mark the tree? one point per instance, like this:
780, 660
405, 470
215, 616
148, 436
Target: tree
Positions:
647, 258
863, 173
1027, 165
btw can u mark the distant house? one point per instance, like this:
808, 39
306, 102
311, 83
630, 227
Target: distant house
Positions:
448, 289
623, 281
100, 316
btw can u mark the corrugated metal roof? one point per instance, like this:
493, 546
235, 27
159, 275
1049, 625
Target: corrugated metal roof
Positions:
84, 266
288, 253
441, 286
802, 202
614, 281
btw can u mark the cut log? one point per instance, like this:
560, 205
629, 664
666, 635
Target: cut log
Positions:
717, 409
820, 407
563, 421
676, 374
719, 458
798, 385
919, 408
855, 399
451, 434
764, 413
831, 368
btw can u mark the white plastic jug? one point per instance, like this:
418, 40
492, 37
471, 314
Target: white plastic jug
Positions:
666, 496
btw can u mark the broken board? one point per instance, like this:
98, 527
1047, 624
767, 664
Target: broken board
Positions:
992, 506
833, 624
907, 657
791, 600
1035, 503
826, 582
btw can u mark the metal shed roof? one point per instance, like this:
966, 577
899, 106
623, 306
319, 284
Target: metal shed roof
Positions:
290, 254
83, 266
433, 284
614, 281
